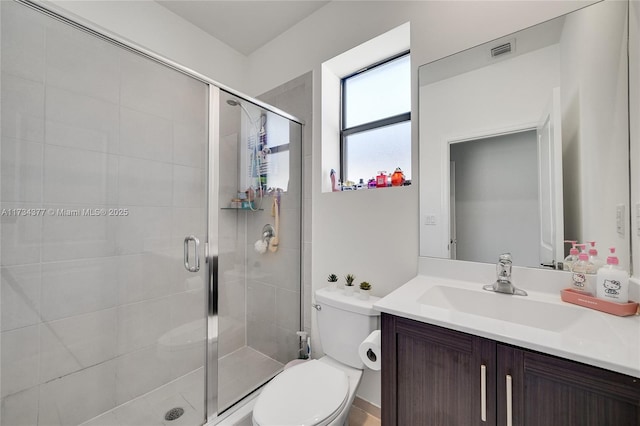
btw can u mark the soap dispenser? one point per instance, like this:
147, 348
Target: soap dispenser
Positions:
580, 272
571, 258
595, 260
612, 282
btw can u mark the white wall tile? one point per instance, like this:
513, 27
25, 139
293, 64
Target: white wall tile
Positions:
146, 86
21, 170
78, 287
21, 236
78, 397
22, 108
82, 63
188, 187
142, 324
262, 336
19, 359
287, 341
232, 335
142, 277
261, 302
23, 56
143, 230
74, 343
20, 296
288, 309
139, 372
187, 221
190, 100
90, 183
187, 307
188, 352
144, 182
77, 237
190, 145
21, 409
145, 136
79, 121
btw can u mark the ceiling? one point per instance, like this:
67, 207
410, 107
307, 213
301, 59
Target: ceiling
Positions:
245, 25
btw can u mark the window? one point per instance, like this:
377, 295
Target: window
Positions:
376, 120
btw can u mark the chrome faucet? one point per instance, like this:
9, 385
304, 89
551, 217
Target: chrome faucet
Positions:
503, 282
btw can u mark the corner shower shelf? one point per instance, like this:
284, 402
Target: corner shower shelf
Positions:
240, 208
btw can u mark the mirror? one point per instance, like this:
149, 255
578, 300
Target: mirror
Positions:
524, 143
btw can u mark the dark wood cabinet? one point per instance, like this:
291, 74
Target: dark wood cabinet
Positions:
434, 376
551, 391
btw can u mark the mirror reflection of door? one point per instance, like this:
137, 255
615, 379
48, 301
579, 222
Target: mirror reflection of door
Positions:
495, 198
452, 210
549, 134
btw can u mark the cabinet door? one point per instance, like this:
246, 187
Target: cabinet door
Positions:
433, 376
549, 391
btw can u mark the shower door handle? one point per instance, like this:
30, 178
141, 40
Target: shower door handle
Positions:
187, 263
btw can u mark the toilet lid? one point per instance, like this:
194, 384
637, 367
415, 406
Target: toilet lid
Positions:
303, 395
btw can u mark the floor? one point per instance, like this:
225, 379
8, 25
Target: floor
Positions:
359, 417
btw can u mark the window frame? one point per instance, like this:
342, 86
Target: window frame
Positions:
371, 125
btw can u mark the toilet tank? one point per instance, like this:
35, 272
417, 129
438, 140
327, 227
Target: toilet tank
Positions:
343, 323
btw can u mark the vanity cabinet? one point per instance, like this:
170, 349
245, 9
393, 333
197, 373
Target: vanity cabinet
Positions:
434, 376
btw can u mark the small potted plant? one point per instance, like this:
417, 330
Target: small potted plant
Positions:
348, 287
365, 290
332, 279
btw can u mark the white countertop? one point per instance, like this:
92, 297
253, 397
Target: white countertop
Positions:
590, 337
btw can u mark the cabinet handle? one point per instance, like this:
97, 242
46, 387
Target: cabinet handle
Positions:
509, 401
483, 393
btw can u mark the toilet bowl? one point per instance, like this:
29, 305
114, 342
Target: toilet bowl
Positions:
320, 392
315, 393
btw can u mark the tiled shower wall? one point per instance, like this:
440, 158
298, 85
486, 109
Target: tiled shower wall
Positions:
87, 301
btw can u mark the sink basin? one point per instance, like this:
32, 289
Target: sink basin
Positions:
513, 309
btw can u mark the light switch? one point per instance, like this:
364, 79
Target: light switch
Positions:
430, 219
620, 219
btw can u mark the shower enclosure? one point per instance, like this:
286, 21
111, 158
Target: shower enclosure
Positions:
134, 194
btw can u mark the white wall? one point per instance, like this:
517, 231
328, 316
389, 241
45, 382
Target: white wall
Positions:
476, 104
149, 25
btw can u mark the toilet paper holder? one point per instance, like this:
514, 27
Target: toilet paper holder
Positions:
371, 355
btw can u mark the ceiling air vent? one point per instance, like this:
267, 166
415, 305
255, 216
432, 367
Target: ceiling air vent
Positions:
503, 49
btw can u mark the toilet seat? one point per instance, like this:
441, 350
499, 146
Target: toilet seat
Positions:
309, 394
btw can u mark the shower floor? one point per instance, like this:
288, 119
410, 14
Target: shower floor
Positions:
241, 372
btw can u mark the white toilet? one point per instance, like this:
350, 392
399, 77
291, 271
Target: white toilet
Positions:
320, 392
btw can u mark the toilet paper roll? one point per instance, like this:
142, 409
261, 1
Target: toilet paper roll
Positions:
370, 351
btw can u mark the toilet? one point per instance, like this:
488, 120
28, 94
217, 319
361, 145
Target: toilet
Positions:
320, 392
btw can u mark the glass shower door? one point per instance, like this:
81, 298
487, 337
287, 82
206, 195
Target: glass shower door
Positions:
259, 226
104, 174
